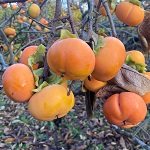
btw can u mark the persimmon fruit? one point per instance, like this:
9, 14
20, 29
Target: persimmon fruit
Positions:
136, 55
71, 58
93, 84
146, 74
26, 53
146, 98
18, 82
109, 59
51, 102
127, 13
44, 21
34, 11
125, 110
9, 31
102, 10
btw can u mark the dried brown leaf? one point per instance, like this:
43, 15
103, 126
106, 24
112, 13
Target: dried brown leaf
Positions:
144, 32
122, 142
108, 90
9, 140
82, 147
131, 80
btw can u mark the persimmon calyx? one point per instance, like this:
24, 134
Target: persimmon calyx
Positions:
140, 67
100, 43
135, 2
40, 83
66, 34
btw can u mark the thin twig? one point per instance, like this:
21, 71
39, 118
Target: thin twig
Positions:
105, 4
131, 136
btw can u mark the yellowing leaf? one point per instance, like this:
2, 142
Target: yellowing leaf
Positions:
37, 73
44, 84
37, 56
66, 34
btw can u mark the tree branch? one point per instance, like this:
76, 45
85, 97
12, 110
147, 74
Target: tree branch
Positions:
11, 1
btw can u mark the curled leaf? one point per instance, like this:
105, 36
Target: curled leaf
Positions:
90, 101
44, 84
108, 90
131, 80
37, 56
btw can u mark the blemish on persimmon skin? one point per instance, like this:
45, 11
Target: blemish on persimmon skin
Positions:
124, 122
62, 74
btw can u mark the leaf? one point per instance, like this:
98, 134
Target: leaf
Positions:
44, 84
113, 4
131, 80
89, 101
9, 140
37, 73
109, 90
100, 43
144, 32
55, 79
37, 56
66, 34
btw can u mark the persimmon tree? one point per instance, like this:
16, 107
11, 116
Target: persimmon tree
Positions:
78, 40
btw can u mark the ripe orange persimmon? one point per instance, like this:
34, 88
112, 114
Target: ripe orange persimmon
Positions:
51, 102
71, 58
18, 82
9, 31
14, 6
109, 59
102, 10
38, 27
93, 84
4, 5
27, 52
136, 55
34, 11
146, 98
43, 21
146, 74
125, 110
126, 12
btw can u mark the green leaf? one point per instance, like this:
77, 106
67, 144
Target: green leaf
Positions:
44, 84
54, 79
37, 73
66, 34
100, 43
37, 56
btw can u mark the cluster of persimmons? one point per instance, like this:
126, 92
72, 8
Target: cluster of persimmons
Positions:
71, 58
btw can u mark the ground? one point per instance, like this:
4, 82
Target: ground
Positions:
19, 131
